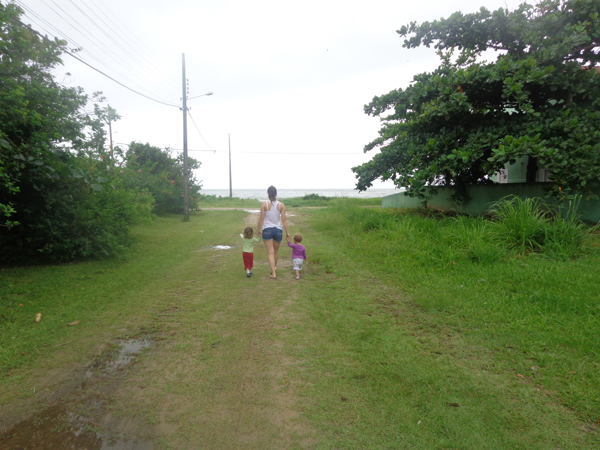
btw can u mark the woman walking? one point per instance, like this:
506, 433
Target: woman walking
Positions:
272, 217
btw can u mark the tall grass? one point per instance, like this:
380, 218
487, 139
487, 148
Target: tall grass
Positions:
527, 225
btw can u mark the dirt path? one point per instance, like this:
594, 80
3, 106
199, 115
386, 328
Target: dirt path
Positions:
209, 369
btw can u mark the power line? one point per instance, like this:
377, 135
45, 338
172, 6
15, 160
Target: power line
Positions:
125, 28
92, 67
271, 153
197, 129
96, 42
58, 32
133, 54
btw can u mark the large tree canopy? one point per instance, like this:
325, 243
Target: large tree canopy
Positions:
61, 195
469, 118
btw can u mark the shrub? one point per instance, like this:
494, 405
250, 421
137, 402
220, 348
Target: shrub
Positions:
528, 226
519, 224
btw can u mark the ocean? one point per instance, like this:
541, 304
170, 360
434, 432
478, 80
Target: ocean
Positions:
261, 194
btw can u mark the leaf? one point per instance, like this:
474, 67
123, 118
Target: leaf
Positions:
19, 156
96, 187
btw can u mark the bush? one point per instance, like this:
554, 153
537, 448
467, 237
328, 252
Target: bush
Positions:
520, 224
74, 223
530, 226
316, 197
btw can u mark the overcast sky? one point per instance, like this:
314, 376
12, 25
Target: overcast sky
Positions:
289, 79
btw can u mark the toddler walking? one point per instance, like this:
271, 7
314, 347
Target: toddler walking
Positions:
298, 254
248, 251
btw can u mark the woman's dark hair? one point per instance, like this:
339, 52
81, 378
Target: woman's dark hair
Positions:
272, 191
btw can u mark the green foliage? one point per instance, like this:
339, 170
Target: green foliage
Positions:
469, 118
322, 200
216, 201
521, 224
316, 197
526, 225
57, 188
153, 169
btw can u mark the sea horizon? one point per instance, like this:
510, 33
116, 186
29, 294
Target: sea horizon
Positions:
261, 194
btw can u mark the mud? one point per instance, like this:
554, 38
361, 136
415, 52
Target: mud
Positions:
82, 419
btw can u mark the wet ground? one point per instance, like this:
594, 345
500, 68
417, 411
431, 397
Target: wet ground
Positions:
82, 419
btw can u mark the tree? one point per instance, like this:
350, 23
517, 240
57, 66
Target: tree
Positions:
154, 169
469, 118
52, 201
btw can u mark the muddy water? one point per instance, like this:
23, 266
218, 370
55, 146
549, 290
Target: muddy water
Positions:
80, 420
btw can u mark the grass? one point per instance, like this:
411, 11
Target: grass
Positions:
527, 324
405, 331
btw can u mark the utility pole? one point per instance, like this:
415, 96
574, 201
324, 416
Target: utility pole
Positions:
186, 199
230, 188
110, 132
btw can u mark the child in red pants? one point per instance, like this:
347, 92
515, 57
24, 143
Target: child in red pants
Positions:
248, 252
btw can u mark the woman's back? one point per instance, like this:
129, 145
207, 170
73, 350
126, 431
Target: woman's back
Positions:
272, 215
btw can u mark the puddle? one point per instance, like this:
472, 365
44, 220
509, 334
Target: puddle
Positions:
222, 247
82, 420
57, 428
107, 364
129, 350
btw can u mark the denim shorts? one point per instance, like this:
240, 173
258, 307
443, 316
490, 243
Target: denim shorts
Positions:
272, 233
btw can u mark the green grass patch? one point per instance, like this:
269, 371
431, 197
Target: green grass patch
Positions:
423, 313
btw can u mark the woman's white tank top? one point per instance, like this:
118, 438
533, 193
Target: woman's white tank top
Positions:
272, 216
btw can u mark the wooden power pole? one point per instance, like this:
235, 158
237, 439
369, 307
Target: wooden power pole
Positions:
186, 198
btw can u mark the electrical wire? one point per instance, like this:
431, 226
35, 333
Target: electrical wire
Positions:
271, 153
92, 67
194, 122
125, 28
73, 23
122, 45
58, 32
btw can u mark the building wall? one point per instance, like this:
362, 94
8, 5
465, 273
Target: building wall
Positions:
482, 197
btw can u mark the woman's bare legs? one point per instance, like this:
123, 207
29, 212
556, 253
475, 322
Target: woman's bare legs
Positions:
272, 255
276, 251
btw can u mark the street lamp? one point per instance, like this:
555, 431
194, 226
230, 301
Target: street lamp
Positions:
208, 93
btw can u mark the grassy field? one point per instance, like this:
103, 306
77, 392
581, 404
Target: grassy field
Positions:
404, 332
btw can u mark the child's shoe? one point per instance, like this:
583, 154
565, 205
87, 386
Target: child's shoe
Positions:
248, 274
297, 277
